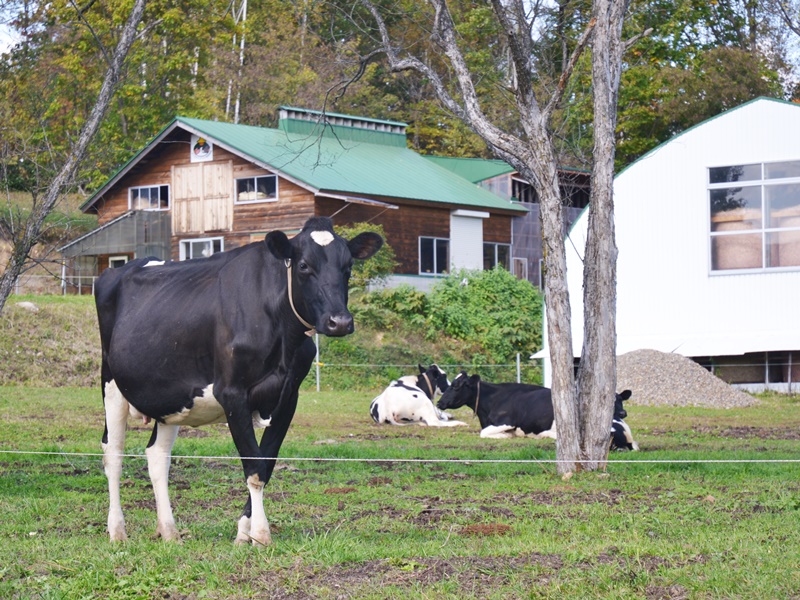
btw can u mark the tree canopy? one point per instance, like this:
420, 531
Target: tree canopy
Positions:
698, 59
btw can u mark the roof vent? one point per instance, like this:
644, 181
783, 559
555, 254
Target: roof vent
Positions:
328, 118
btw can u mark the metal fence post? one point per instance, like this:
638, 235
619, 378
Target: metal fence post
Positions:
519, 371
316, 341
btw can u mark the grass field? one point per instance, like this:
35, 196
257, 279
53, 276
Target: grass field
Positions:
389, 529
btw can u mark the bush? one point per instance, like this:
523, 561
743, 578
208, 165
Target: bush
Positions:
374, 269
494, 309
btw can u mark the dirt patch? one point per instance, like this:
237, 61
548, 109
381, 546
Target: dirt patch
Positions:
340, 490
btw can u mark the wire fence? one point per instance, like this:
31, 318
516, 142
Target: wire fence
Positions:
465, 461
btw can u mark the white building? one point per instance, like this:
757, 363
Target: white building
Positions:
708, 232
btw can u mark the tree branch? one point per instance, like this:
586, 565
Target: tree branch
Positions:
558, 95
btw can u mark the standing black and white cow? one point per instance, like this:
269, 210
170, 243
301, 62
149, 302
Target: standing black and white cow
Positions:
508, 409
221, 339
621, 436
410, 400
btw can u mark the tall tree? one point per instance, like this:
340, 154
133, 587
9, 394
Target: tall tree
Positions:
30, 230
526, 141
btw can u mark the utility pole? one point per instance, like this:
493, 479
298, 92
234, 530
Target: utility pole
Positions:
239, 11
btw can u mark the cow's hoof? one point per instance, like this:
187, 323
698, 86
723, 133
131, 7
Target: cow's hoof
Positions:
118, 536
168, 533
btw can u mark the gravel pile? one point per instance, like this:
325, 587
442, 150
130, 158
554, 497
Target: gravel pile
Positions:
665, 379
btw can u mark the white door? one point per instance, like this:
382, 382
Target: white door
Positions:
466, 239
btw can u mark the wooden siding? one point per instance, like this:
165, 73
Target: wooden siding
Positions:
405, 225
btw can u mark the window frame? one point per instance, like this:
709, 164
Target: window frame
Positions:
160, 188
496, 247
436, 272
185, 244
255, 179
765, 230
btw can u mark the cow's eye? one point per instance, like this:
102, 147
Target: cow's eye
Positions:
302, 266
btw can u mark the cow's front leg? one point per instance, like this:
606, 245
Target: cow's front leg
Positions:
159, 455
253, 527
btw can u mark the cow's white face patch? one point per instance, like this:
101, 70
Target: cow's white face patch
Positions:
323, 238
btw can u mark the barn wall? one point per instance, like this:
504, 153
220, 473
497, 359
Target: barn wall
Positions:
250, 222
668, 299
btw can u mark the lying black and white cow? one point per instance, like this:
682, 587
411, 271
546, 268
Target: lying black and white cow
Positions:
621, 437
511, 409
410, 400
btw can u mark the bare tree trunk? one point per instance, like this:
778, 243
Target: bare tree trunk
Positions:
598, 369
578, 425
33, 226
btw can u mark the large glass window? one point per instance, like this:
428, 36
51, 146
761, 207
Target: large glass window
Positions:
200, 248
496, 254
434, 256
755, 216
154, 197
257, 189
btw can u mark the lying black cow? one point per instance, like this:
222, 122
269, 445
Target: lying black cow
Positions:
221, 339
510, 409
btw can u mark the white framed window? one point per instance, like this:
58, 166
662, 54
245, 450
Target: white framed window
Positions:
754, 216
434, 256
496, 254
117, 261
200, 247
262, 188
149, 197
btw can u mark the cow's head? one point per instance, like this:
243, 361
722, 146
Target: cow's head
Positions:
433, 376
319, 261
619, 410
461, 392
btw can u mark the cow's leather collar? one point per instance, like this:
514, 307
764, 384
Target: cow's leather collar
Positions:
477, 398
311, 329
428, 381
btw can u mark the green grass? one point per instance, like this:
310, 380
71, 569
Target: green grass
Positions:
390, 529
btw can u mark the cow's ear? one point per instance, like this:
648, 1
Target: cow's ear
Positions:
421, 368
475, 379
365, 245
279, 245
624, 395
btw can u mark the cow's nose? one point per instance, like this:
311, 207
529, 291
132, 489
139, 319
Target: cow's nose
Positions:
622, 414
340, 325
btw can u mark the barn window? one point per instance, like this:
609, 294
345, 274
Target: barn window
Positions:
496, 254
200, 247
433, 256
152, 197
755, 216
256, 189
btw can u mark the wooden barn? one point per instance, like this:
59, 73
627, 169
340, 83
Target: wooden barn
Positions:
708, 232
201, 187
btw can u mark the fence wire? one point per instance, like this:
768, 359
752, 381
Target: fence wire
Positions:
466, 461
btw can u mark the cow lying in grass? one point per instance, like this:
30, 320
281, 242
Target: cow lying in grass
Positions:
410, 400
621, 437
515, 409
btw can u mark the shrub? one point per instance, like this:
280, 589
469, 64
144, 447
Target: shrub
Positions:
491, 308
374, 269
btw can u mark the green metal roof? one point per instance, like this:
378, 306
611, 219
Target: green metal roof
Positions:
473, 169
334, 164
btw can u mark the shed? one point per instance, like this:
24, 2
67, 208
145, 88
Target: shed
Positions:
708, 232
